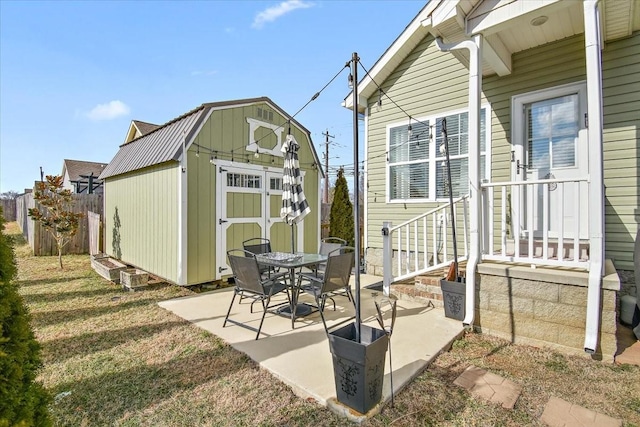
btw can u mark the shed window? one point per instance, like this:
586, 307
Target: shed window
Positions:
244, 180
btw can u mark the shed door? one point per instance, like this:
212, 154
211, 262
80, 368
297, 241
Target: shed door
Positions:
250, 201
552, 144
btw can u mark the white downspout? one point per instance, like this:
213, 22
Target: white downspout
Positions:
475, 83
596, 178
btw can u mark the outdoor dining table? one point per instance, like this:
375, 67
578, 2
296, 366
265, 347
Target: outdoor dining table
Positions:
292, 262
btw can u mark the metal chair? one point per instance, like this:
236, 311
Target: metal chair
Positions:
257, 246
327, 246
334, 281
250, 284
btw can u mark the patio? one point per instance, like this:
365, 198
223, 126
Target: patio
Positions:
301, 357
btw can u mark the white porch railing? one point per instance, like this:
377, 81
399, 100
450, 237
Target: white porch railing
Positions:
424, 243
543, 222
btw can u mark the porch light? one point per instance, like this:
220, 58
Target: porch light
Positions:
539, 20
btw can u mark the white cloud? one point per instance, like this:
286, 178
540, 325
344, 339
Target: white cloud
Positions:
108, 111
272, 13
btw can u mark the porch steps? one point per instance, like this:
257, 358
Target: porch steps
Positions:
423, 289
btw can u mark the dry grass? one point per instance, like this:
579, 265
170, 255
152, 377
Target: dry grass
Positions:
116, 358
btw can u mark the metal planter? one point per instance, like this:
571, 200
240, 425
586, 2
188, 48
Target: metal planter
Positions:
358, 367
453, 297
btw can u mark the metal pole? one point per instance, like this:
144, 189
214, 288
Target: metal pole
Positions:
325, 196
356, 190
450, 189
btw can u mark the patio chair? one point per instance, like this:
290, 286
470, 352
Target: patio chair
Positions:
334, 281
250, 284
327, 246
257, 246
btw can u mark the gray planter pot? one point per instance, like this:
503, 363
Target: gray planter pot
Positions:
358, 367
453, 298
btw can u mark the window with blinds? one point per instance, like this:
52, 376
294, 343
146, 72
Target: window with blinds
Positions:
417, 167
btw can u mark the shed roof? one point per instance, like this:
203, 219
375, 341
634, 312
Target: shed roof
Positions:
75, 168
145, 127
164, 143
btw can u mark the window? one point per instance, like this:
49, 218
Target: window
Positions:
275, 183
417, 168
243, 180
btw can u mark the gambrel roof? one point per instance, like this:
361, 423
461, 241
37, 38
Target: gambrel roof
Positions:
165, 143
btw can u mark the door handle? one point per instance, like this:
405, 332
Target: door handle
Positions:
521, 166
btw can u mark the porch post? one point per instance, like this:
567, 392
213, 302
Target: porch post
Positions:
596, 176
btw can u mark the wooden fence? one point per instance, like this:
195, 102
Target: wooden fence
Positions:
8, 209
41, 241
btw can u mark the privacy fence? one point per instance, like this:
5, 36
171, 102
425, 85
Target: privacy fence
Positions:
8, 209
43, 243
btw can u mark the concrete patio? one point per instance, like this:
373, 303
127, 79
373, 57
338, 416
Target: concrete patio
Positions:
301, 357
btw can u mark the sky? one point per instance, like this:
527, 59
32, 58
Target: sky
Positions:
74, 74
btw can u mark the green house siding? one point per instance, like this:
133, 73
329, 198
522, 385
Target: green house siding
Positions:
429, 81
145, 205
224, 136
426, 82
621, 93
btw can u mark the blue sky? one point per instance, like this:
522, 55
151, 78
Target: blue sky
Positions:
74, 74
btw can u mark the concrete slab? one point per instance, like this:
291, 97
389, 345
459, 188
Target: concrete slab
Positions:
560, 413
301, 357
489, 386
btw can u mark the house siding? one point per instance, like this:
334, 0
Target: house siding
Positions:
146, 202
621, 133
426, 82
226, 132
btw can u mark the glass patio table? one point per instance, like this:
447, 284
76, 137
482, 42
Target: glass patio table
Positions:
292, 262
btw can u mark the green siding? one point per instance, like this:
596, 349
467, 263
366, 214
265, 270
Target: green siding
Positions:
226, 131
621, 93
146, 202
426, 82
429, 81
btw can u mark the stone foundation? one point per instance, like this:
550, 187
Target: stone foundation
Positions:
544, 307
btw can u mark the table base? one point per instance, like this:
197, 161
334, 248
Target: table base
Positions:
301, 310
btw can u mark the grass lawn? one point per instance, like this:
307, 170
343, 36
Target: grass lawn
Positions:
116, 358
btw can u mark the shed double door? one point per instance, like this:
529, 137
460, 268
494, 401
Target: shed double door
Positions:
249, 206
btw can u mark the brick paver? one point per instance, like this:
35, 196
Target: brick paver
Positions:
560, 413
489, 386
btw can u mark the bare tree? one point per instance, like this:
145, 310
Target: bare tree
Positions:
57, 217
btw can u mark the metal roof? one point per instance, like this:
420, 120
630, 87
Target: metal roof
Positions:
164, 143
161, 145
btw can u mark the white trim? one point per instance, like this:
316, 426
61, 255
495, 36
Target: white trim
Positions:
183, 190
433, 156
365, 190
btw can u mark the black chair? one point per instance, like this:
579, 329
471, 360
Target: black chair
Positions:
334, 281
257, 246
250, 284
327, 246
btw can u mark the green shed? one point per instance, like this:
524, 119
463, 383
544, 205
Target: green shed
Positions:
179, 195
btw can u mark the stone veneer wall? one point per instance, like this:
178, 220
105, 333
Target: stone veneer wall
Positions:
544, 307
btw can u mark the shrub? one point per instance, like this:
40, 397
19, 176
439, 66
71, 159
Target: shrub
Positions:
23, 401
341, 222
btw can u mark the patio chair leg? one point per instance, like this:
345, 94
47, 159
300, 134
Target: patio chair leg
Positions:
229, 311
321, 310
264, 313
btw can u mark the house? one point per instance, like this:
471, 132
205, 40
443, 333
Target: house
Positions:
179, 195
542, 108
82, 177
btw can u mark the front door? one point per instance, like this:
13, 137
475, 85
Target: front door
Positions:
551, 144
249, 201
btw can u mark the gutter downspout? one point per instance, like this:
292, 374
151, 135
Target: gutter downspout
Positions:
596, 175
475, 83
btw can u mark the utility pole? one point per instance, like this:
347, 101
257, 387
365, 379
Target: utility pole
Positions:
325, 196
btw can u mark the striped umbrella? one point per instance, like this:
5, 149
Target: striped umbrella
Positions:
294, 203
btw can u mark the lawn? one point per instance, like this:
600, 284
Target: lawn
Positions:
116, 358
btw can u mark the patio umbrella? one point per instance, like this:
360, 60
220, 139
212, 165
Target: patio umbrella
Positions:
294, 203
